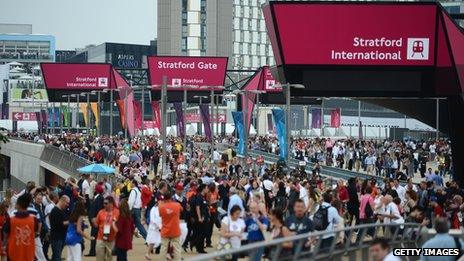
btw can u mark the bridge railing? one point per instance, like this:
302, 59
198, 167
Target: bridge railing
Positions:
63, 160
355, 247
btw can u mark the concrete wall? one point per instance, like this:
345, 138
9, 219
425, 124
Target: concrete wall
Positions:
169, 27
25, 162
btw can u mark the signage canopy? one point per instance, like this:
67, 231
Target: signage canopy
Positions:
356, 49
64, 79
356, 34
205, 73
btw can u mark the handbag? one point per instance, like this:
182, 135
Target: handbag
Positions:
225, 246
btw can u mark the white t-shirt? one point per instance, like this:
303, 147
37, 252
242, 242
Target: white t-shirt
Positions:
85, 188
392, 209
234, 226
47, 211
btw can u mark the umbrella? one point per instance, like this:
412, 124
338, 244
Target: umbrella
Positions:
96, 169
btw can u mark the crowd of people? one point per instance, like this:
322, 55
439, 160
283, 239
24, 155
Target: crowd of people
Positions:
245, 201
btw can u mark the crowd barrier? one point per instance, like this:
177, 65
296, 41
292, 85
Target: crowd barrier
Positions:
355, 247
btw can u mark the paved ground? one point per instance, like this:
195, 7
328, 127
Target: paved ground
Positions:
139, 250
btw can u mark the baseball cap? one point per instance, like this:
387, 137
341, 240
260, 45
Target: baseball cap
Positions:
179, 186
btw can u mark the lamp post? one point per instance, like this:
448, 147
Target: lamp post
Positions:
287, 88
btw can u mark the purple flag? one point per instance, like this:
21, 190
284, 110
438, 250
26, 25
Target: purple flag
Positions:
316, 118
204, 111
270, 125
5, 111
179, 118
43, 118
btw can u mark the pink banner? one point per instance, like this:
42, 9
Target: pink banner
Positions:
187, 71
335, 117
196, 118
126, 95
362, 34
137, 114
248, 97
149, 125
69, 76
155, 106
24, 116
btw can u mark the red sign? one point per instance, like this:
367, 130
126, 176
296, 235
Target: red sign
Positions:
187, 71
269, 81
196, 118
68, 76
354, 33
24, 116
149, 124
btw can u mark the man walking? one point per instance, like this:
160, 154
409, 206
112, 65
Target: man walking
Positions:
58, 227
135, 205
170, 211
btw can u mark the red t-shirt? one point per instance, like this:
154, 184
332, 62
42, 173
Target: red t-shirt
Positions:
343, 194
146, 195
170, 219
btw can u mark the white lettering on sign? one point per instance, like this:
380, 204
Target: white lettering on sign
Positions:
183, 65
389, 49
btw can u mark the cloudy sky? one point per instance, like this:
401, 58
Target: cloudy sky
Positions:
77, 23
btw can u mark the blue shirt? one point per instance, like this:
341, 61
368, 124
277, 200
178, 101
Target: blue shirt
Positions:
254, 233
235, 200
440, 241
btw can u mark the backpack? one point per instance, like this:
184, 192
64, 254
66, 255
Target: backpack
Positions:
368, 210
280, 203
321, 218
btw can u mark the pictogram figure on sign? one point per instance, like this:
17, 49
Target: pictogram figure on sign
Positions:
418, 48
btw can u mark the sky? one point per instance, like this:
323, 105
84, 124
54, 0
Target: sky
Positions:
77, 23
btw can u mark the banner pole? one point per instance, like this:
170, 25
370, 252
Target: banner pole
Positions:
68, 112
287, 122
212, 123
98, 114
61, 117
185, 120
143, 109
111, 112
163, 125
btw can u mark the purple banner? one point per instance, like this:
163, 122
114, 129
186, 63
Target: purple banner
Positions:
5, 111
316, 118
204, 111
179, 118
270, 125
43, 118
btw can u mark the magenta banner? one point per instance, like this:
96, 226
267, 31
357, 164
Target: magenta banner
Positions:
179, 118
69, 76
155, 107
335, 118
196, 118
204, 111
24, 116
361, 34
202, 72
137, 115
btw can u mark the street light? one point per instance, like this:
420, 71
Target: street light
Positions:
98, 108
287, 88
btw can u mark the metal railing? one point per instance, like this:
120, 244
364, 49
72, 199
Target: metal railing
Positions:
355, 246
327, 171
63, 160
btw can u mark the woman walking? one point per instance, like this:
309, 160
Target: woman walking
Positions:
126, 228
75, 232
